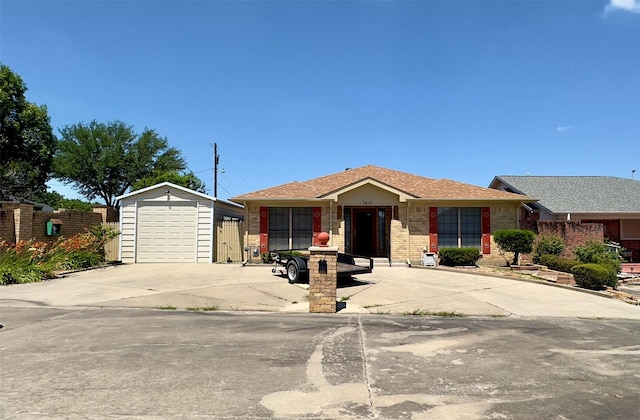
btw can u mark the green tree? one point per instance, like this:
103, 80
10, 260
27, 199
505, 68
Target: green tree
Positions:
514, 240
105, 160
184, 179
58, 201
27, 143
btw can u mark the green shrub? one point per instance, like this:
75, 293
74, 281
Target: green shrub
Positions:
518, 241
594, 276
595, 252
547, 245
459, 256
554, 262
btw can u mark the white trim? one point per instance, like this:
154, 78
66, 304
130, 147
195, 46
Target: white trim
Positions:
120, 211
195, 257
135, 231
178, 187
402, 195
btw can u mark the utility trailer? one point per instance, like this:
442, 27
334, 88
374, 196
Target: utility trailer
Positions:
293, 263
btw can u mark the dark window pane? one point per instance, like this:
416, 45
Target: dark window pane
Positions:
447, 227
301, 227
278, 228
471, 227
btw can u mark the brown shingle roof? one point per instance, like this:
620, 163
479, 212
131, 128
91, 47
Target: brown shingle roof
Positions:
413, 185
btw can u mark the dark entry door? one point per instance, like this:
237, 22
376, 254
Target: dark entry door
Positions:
364, 233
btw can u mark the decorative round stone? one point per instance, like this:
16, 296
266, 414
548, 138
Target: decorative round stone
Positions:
323, 238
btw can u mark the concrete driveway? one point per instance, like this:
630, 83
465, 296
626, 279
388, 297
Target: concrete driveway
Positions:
393, 290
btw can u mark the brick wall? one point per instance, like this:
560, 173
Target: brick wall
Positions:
108, 214
398, 235
19, 221
573, 233
506, 217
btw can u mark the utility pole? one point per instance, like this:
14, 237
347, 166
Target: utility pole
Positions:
216, 160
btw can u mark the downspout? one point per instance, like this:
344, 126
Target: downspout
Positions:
408, 236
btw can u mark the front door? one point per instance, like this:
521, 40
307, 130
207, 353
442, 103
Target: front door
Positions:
364, 232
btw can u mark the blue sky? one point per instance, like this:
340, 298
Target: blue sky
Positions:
293, 90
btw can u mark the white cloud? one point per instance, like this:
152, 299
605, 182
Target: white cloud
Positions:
626, 5
564, 128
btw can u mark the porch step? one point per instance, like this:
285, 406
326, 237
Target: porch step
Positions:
379, 262
384, 262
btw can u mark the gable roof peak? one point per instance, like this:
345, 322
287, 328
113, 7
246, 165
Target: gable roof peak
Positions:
410, 185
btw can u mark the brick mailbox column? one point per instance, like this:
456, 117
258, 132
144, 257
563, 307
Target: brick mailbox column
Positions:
322, 286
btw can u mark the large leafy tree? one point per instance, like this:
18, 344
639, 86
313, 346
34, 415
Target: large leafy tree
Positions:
184, 179
27, 143
58, 201
104, 160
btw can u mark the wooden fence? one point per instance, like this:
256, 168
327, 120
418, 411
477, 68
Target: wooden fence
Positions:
111, 248
229, 241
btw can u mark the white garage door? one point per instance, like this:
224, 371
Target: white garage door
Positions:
166, 232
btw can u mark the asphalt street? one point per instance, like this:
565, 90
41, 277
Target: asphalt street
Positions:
133, 363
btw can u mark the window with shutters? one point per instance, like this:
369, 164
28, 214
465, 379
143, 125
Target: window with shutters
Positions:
290, 228
459, 227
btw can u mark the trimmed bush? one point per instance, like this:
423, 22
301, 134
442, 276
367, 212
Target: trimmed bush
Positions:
459, 256
518, 241
594, 276
554, 262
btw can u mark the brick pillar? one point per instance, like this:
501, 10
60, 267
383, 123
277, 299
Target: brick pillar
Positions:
322, 287
23, 222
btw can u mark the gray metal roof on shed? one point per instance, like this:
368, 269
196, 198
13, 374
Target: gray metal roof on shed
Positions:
577, 194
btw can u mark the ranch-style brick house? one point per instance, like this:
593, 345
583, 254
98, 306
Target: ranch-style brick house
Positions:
377, 212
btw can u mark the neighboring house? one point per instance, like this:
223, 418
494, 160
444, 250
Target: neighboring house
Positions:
170, 223
377, 212
610, 201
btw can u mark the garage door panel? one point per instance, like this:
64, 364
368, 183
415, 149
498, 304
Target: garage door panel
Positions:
166, 233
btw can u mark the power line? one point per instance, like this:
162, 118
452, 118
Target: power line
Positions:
239, 174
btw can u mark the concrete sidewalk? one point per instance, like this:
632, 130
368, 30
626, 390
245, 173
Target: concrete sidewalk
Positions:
230, 287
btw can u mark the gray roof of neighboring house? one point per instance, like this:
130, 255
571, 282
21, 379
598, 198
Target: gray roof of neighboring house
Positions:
577, 194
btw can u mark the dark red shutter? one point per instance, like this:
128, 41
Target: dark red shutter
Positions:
486, 230
433, 228
264, 229
317, 224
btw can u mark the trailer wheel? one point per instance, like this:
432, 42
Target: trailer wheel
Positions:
293, 271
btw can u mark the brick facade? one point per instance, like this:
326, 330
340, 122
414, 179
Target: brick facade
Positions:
408, 229
21, 222
573, 233
323, 286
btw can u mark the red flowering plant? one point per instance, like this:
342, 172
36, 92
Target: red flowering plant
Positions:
20, 263
29, 261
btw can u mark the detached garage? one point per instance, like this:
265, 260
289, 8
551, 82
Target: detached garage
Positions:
170, 223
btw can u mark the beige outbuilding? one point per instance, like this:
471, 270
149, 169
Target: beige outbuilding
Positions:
170, 223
